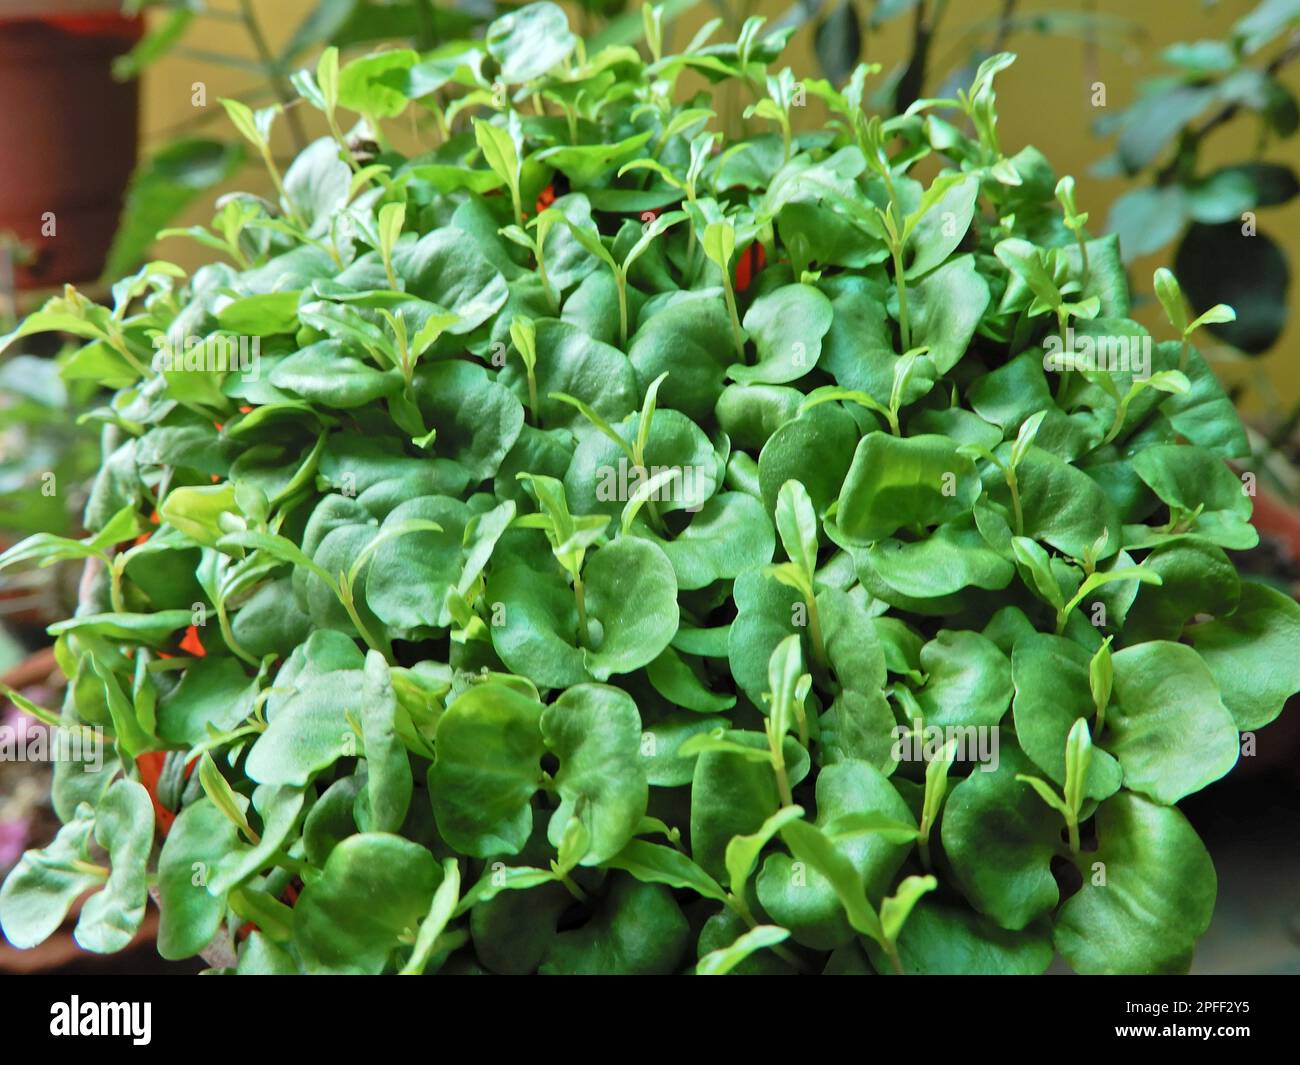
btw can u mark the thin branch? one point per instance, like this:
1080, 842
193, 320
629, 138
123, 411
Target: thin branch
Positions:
1193, 137
273, 71
1005, 20
1091, 49
912, 83
237, 62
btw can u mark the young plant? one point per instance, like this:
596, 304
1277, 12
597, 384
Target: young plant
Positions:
593, 243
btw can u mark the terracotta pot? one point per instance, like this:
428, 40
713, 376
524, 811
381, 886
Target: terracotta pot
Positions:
69, 131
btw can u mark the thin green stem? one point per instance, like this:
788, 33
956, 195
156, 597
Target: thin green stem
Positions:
532, 397
343, 590
77, 865
118, 343
778, 766
227, 634
517, 203
801, 723
904, 320
342, 142
741, 908
692, 254
1017, 512
815, 633
737, 334
1062, 326
551, 296
580, 597
450, 940
620, 283
574, 889
115, 593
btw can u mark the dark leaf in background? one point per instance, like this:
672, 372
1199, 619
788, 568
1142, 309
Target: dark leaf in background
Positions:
1274, 183
1218, 264
838, 42
162, 188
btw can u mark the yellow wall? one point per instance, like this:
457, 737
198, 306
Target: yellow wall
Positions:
1044, 100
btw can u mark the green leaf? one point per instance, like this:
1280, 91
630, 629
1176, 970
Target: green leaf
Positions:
388, 777
1147, 896
733, 794
947, 940
1053, 690
499, 150
1168, 728
40, 890
1248, 654
190, 915
652, 863
969, 680
490, 747
367, 84
722, 961
796, 521
810, 845
898, 483
196, 511
440, 912
895, 910
632, 596
374, 890
637, 931
940, 224
124, 828
677, 681
587, 164
743, 851
862, 817
1001, 839
787, 326
530, 41
595, 732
